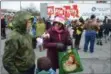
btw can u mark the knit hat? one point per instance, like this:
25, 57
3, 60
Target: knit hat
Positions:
60, 20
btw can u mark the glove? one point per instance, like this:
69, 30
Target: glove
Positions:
60, 46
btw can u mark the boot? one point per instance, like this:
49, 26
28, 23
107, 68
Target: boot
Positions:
101, 43
77, 47
97, 43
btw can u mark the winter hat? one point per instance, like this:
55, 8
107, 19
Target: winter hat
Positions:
60, 20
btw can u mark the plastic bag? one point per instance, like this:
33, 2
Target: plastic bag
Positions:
69, 62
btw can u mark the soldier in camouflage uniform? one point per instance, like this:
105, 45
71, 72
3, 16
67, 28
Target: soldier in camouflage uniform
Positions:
19, 57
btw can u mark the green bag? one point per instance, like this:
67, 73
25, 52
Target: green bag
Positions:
69, 62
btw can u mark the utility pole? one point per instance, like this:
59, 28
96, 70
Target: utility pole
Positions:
110, 8
20, 6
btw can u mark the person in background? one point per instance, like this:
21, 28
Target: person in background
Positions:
44, 20
105, 20
81, 20
10, 25
86, 20
91, 27
6, 20
68, 23
19, 56
78, 28
44, 66
3, 27
31, 29
107, 28
110, 27
33, 21
100, 33
73, 27
48, 24
40, 29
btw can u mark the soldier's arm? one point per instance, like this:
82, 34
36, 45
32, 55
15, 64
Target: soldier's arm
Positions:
8, 57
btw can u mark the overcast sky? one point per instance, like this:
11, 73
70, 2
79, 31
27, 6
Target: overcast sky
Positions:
15, 5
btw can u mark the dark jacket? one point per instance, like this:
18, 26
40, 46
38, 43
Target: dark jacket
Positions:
48, 24
50, 44
3, 23
107, 28
100, 32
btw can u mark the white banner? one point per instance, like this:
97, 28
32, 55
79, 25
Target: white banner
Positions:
100, 10
85, 10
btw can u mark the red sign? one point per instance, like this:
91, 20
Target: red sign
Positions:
67, 11
76, 11
50, 10
59, 11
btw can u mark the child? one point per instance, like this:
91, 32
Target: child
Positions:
39, 41
44, 66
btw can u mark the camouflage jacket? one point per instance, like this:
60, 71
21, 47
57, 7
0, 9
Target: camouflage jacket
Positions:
18, 53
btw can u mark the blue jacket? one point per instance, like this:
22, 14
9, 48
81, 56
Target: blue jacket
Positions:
51, 71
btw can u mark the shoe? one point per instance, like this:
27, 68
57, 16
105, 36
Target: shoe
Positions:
91, 52
97, 43
101, 43
85, 51
3, 38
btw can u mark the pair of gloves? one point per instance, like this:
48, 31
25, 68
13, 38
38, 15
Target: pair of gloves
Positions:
60, 47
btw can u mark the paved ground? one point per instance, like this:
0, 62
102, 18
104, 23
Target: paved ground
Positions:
98, 62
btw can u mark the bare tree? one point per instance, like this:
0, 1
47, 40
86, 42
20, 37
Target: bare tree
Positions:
32, 9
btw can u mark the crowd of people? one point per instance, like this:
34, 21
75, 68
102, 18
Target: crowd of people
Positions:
30, 32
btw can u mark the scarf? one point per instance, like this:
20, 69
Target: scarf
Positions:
59, 31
